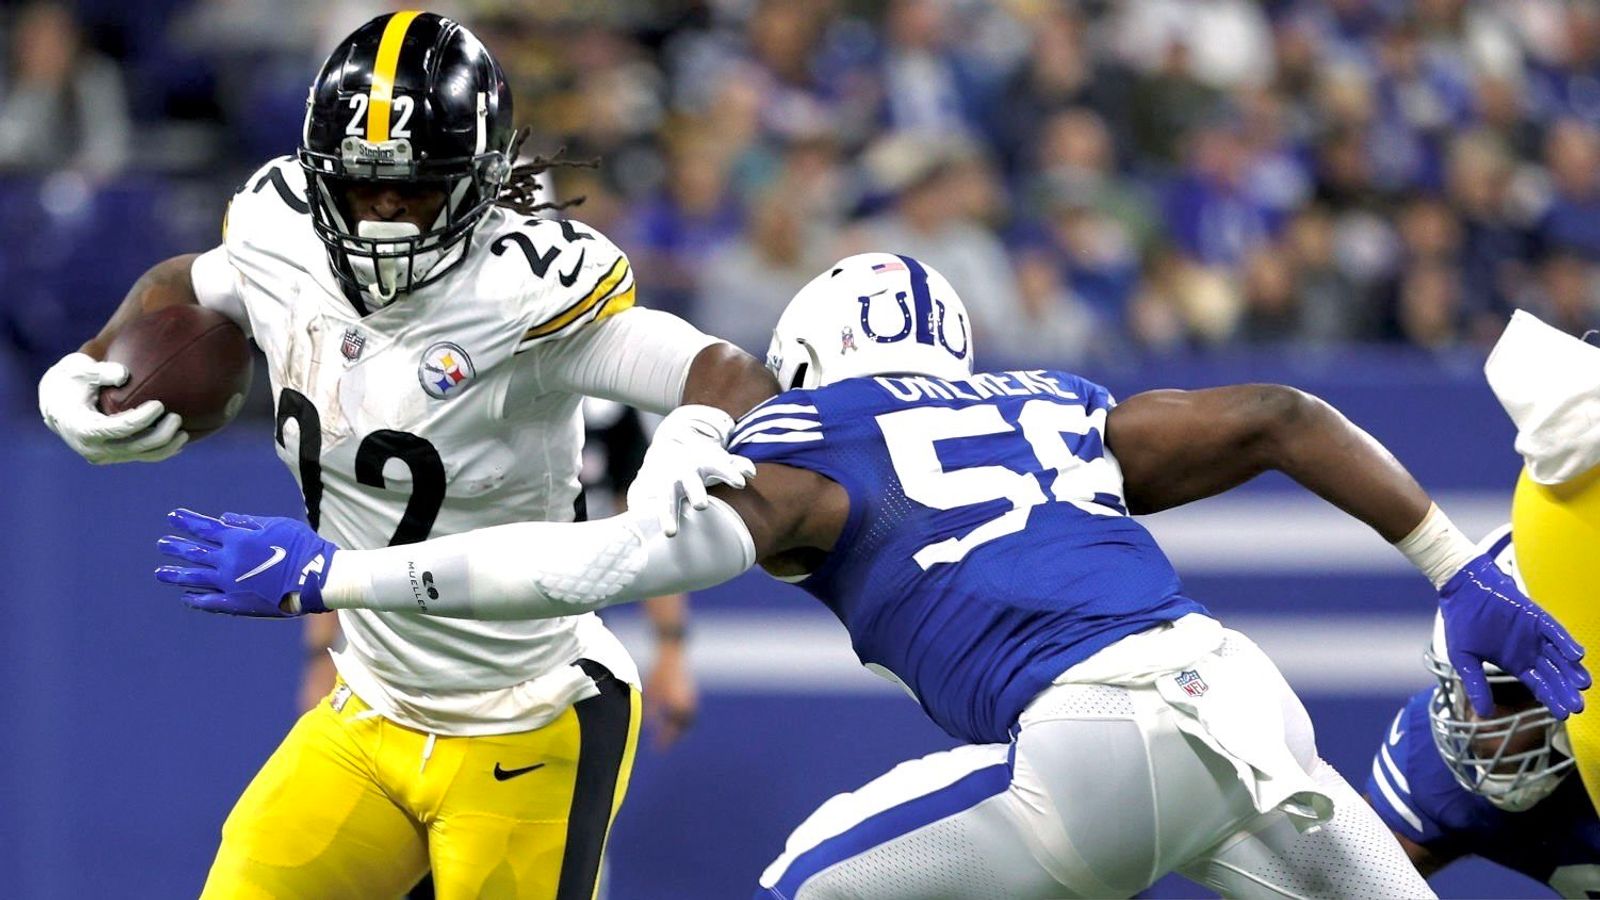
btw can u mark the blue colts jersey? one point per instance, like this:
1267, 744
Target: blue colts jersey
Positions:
1557, 841
988, 547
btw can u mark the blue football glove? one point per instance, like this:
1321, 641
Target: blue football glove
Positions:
1487, 618
246, 565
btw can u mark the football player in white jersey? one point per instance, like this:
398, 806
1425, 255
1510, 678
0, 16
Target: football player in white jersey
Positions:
429, 341
972, 532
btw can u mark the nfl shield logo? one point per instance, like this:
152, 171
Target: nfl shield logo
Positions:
352, 344
1192, 683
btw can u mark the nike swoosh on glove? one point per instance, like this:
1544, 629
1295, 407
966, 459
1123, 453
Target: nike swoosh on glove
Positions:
262, 566
686, 456
1488, 619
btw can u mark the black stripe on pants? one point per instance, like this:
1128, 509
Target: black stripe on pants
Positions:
603, 725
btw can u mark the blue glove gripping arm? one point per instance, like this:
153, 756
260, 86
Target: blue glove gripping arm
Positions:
536, 570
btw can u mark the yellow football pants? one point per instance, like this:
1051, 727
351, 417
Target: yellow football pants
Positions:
354, 805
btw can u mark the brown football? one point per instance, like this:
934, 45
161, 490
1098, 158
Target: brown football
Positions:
194, 360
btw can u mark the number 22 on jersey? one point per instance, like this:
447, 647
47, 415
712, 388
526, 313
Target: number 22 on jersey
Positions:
1084, 477
419, 455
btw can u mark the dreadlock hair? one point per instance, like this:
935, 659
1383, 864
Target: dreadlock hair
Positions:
520, 192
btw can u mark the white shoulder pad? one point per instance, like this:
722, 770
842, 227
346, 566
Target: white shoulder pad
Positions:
269, 215
558, 275
270, 208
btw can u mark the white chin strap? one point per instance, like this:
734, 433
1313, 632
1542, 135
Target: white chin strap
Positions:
381, 276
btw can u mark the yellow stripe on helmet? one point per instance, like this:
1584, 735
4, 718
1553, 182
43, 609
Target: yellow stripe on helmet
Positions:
383, 74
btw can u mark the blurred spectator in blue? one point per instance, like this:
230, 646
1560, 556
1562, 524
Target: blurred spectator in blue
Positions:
1211, 214
944, 198
1277, 165
926, 87
1429, 314
1570, 222
64, 106
1494, 246
1430, 237
1343, 28
1331, 306
1272, 308
746, 284
1074, 155
1568, 293
672, 235
1060, 72
1346, 167
1423, 92
1047, 321
1090, 224
1500, 109
820, 183
1565, 71
809, 65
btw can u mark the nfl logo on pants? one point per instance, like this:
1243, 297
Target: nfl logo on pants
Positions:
1192, 683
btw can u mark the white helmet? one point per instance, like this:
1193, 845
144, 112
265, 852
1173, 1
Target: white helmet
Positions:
1478, 751
871, 314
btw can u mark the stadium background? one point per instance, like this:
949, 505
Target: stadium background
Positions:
1348, 196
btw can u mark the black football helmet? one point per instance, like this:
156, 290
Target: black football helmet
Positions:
409, 97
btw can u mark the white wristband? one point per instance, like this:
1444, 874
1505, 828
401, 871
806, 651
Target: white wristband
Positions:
1437, 547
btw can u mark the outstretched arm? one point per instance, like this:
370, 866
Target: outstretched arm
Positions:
1179, 446
268, 566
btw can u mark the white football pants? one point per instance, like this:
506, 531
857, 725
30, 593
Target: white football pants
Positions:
1100, 795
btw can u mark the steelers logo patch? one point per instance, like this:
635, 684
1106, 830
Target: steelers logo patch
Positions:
445, 370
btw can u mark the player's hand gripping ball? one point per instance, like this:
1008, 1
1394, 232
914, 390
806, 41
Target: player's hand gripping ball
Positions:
193, 360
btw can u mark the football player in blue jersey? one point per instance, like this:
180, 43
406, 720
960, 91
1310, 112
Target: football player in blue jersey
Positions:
973, 534
1451, 783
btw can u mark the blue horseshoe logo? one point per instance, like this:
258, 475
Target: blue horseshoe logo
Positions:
866, 328
966, 338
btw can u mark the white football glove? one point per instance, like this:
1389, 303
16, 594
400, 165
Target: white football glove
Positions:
686, 457
68, 394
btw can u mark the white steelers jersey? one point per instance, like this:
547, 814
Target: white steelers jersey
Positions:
425, 418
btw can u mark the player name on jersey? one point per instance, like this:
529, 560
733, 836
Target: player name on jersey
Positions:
982, 386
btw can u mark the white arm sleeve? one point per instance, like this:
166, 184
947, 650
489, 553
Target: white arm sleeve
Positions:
216, 283
538, 570
640, 357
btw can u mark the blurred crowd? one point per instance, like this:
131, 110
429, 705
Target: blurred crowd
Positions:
1097, 179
